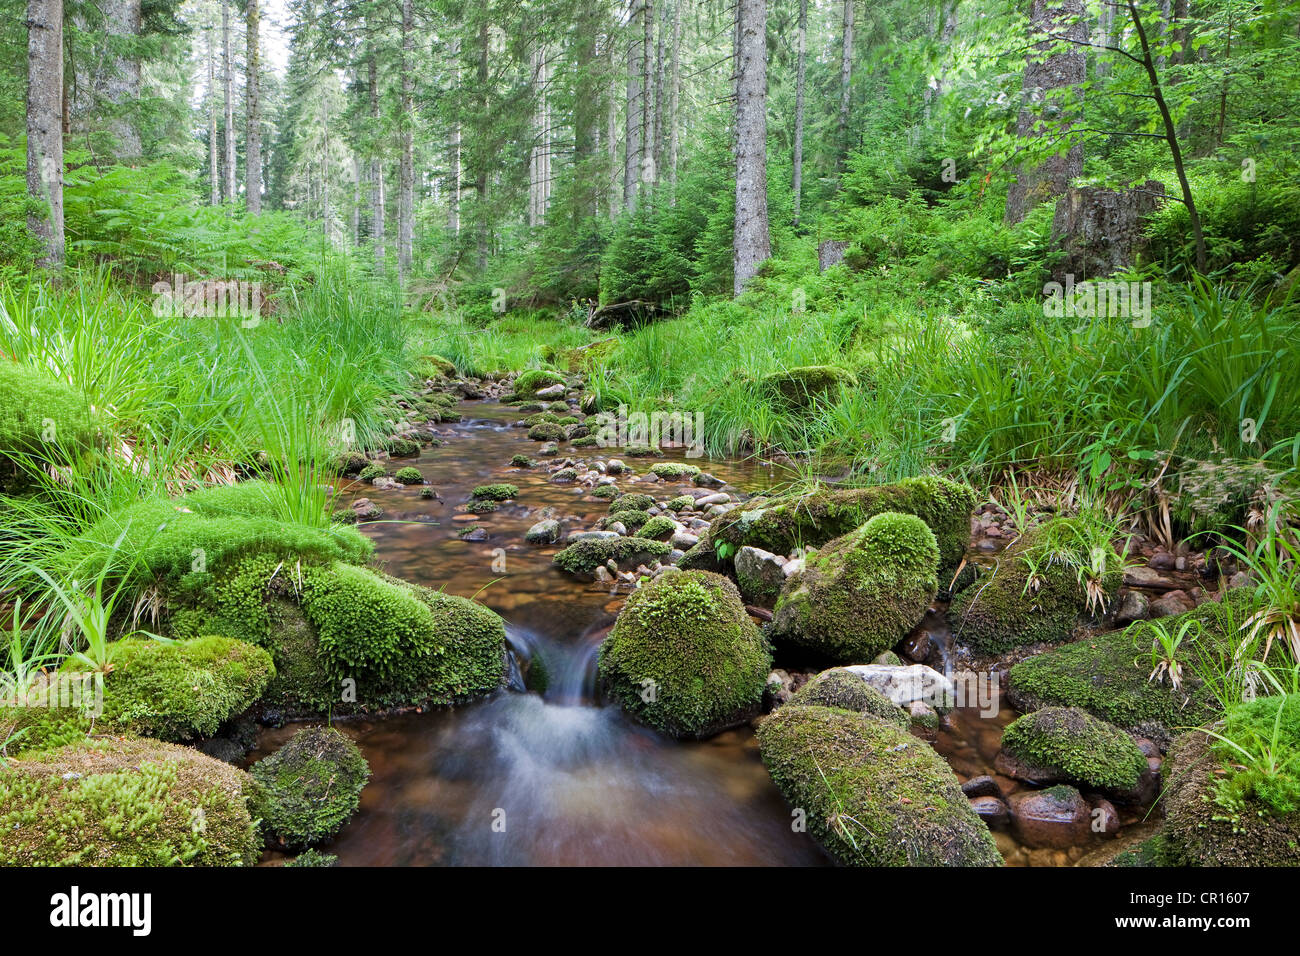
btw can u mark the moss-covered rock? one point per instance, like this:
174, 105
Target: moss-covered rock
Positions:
1201, 829
201, 533
1017, 604
313, 858
1108, 674
673, 470
605, 491
804, 386
402, 447
497, 492
680, 503
529, 383
547, 431
684, 657
874, 795
631, 501
844, 690
125, 803
346, 639
521, 461
629, 518
812, 520
860, 594
409, 476
1077, 747
585, 555
372, 471
309, 788
183, 690
657, 528
434, 366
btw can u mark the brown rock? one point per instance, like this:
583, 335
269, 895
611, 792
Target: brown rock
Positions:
1056, 818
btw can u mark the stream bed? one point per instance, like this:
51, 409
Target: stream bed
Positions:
556, 777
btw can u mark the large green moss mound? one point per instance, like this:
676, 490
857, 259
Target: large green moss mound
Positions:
347, 639
125, 803
1107, 674
802, 387
845, 690
532, 381
1201, 829
184, 690
585, 555
684, 657
812, 520
41, 417
874, 795
1015, 605
309, 788
1078, 746
197, 535
861, 593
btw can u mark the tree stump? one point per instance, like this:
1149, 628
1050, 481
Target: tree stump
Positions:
830, 252
1101, 229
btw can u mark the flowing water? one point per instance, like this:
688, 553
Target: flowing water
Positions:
555, 777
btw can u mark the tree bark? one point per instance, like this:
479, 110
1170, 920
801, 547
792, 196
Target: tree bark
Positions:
675, 98
253, 136
406, 173
801, 73
632, 144
119, 83
453, 158
229, 102
846, 77
214, 164
750, 244
1046, 72
377, 225
45, 127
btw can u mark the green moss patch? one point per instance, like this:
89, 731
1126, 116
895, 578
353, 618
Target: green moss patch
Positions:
309, 788
1078, 746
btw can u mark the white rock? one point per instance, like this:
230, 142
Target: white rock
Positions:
903, 685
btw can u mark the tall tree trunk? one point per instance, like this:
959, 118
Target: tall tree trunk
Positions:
406, 174
611, 125
846, 78
45, 127
229, 101
1046, 72
751, 244
675, 98
376, 165
632, 143
214, 164
801, 73
660, 67
253, 136
453, 151
481, 174
119, 83
648, 174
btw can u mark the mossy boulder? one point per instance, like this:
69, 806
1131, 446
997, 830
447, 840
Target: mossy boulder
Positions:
346, 639
1108, 674
529, 383
673, 470
631, 501
1203, 829
309, 788
1072, 745
497, 492
629, 518
804, 386
844, 690
874, 795
125, 803
657, 528
434, 366
402, 448
199, 534
811, 520
409, 476
547, 431
684, 657
183, 690
1016, 604
586, 554
860, 594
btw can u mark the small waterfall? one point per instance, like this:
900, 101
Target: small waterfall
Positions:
563, 673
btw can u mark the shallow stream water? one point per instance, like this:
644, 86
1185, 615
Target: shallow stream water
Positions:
557, 778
